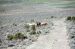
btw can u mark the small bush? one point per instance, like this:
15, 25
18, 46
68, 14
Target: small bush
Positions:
25, 37
32, 33
72, 37
73, 18
14, 24
18, 36
10, 37
27, 28
33, 28
0, 42
11, 45
39, 32
69, 18
52, 16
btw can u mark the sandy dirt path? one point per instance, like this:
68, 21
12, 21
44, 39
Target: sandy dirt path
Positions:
57, 39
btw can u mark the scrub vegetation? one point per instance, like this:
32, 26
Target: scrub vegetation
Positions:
71, 18
16, 36
25, 33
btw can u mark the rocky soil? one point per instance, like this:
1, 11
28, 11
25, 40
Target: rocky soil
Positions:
71, 34
58, 34
56, 39
14, 28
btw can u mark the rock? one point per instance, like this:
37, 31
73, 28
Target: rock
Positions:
72, 37
25, 37
39, 32
11, 45
2, 27
0, 42
14, 24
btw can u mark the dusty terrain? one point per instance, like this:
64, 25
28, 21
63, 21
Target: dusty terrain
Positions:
56, 39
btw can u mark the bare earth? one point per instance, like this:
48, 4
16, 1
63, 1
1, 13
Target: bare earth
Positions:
56, 39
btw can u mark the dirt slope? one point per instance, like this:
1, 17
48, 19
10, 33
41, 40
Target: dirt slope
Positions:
57, 39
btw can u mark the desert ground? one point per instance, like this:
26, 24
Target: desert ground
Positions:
57, 38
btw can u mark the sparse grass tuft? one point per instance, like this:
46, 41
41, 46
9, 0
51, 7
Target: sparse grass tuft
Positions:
27, 28
10, 37
0, 42
33, 28
71, 18
32, 33
16, 36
